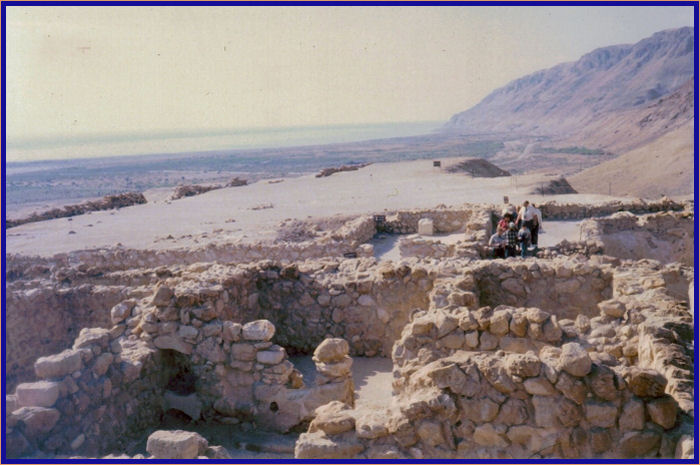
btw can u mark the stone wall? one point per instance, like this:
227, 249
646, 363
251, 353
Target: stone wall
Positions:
111, 387
97, 395
45, 319
472, 381
553, 210
561, 286
667, 237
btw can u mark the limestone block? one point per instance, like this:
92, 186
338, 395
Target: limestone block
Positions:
479, 410
487, 435
366, 301
601, 381
613, 308
212, 330
663, 411
645, 382
539, 386
430, 433
232, 331
92, 336
242, 351
102, 363
536, 315
319, 446
335, 370
37, 421
685, 449
259, 330
121, 311
425, 227
211, 350
545, 412
518, 325
162, 296
454, 340
332, 418
331, 350
632, 416
488, 341
639, 443
38, 394
512, 412
271, 356
514, 286
601, 414
499, 323
371, 424
176, 445
471, 339
173, 342
190, 404
217, 453
574, 359
187, 332
517, 345
58, 365
523, 365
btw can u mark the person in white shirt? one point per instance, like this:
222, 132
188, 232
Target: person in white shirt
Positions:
527, 216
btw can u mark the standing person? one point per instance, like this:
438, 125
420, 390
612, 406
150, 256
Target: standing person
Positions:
524, 238
511, 240
535, 231
526, 216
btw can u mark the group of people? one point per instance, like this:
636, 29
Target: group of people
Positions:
517, 232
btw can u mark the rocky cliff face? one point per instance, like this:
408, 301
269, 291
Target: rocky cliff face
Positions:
563, 99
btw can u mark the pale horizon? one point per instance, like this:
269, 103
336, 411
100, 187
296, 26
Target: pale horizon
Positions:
89, 71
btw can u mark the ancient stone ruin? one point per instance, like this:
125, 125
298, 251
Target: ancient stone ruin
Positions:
585, 351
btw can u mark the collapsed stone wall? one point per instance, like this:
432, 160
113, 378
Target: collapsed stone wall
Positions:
514, 382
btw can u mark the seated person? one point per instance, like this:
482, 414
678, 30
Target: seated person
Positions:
497, 245
511, 240
524, 238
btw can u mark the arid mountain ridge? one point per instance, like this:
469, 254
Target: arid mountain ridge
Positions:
567, 98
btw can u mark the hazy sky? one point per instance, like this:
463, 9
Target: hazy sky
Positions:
73, 71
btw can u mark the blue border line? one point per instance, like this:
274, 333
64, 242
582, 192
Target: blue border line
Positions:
695, 6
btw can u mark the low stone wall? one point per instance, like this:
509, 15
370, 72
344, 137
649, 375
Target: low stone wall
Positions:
43, 320
445, 220
510, 382
507, 406
113, 386
336, 244
553, 210
667, 237
559, 286
94, 396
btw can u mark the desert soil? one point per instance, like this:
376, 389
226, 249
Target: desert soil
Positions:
253, 212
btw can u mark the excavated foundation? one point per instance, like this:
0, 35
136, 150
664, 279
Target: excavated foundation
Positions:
482, 350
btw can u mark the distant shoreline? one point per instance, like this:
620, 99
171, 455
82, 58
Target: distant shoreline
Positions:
45, 149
